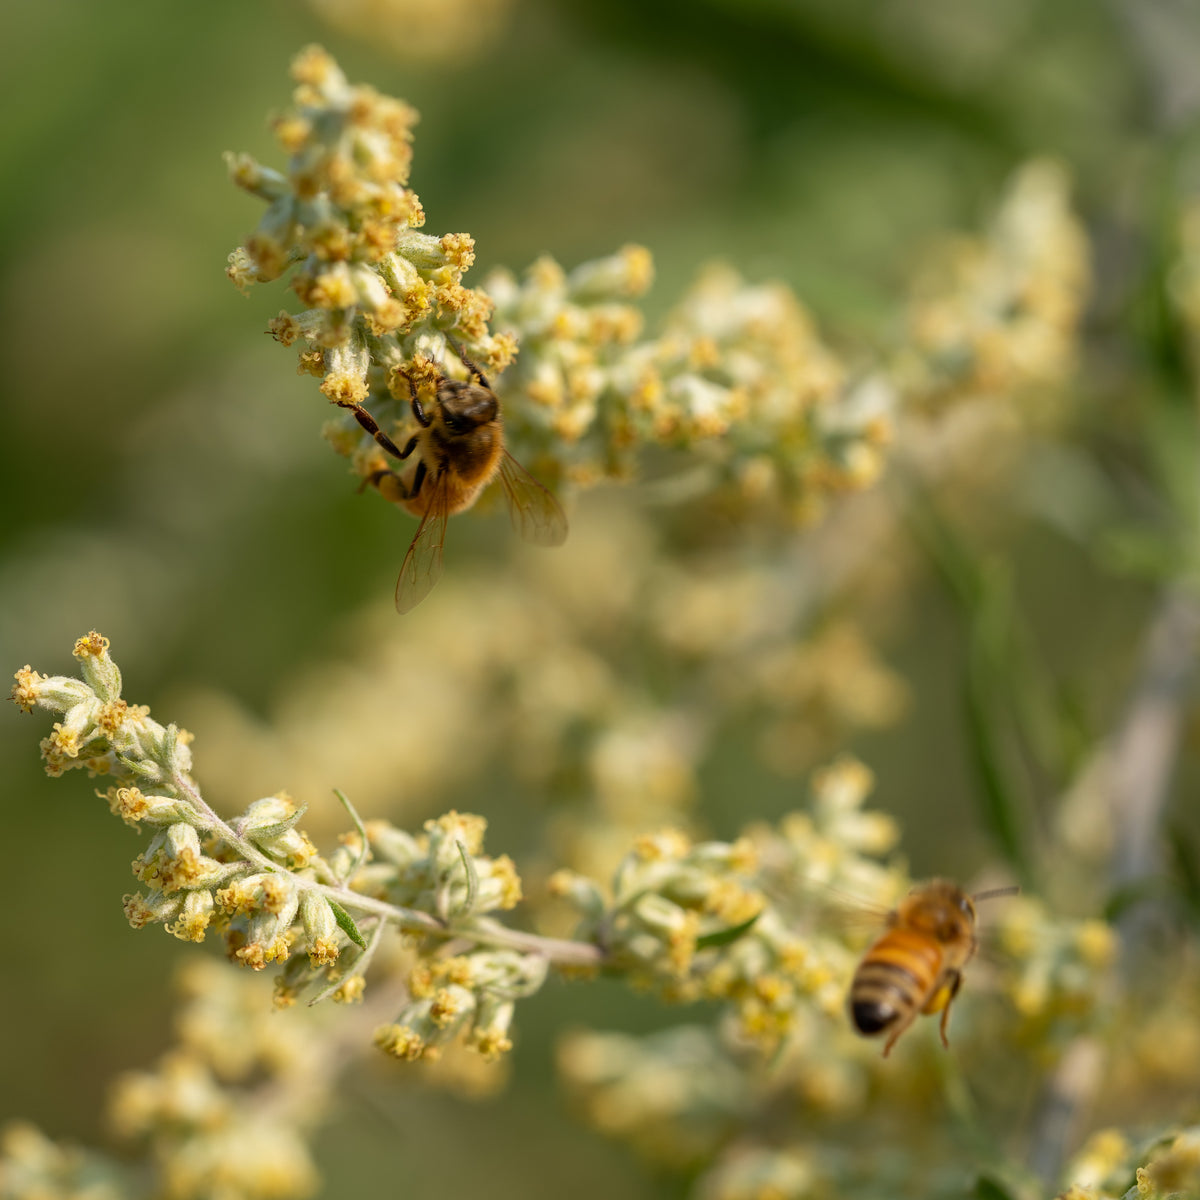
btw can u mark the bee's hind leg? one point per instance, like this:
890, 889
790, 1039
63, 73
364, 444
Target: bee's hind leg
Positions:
391, 487
897, 1029
953, 984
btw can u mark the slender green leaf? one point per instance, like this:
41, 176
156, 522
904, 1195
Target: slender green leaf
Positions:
346, 924
142, 767
472, 877
363, 847
170, 745
267, 833
723, 937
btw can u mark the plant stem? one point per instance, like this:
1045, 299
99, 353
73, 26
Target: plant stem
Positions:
482, 930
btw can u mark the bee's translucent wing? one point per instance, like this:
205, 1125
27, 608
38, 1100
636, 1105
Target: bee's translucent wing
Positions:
536, 515
854, 922
422, 566
844, 916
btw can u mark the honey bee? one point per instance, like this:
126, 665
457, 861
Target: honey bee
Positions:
460, 450
916, 965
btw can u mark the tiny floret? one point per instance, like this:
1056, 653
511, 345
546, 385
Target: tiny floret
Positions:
194, 917
351, 990
26, 689
128, 803
467, 828
491, 1043
111, 716
504, 882
92, 645
666, 844
400, 1042
323, 951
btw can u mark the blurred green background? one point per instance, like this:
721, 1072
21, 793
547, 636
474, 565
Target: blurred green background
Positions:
164, 480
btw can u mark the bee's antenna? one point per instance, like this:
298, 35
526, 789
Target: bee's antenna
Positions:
996, 893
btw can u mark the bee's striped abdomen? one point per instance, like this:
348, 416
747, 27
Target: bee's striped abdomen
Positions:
894, 980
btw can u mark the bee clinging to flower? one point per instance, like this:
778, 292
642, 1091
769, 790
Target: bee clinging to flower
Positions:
459, 448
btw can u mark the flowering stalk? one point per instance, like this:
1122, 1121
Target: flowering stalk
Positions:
259, 878
738, 377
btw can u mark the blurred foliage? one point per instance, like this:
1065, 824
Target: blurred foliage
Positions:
195, 515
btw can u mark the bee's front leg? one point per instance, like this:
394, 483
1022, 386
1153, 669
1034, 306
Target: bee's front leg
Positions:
466, 362
369, 423
418, 409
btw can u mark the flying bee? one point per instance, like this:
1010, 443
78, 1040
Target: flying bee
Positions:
915, 966
460, 449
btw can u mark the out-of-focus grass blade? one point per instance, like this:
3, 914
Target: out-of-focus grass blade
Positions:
1187, 867
1001, 802
993, 692
987, 1187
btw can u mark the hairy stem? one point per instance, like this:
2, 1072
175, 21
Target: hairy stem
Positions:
482, 931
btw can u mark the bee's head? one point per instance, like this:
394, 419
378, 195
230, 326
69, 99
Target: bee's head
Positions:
941, 908
464, 407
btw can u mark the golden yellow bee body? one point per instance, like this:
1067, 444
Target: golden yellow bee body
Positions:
459, 448
916, 965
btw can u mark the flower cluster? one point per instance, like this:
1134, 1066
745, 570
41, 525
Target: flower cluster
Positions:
227, 1111
738, 377
574, 329
724, 921
444, 871
778, 956
1165, 1168
229, 1108
672, 1096
1055, 971
468, 997
823, 881
834, 845
999, 314
379, 295
260, 880
32, 1167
